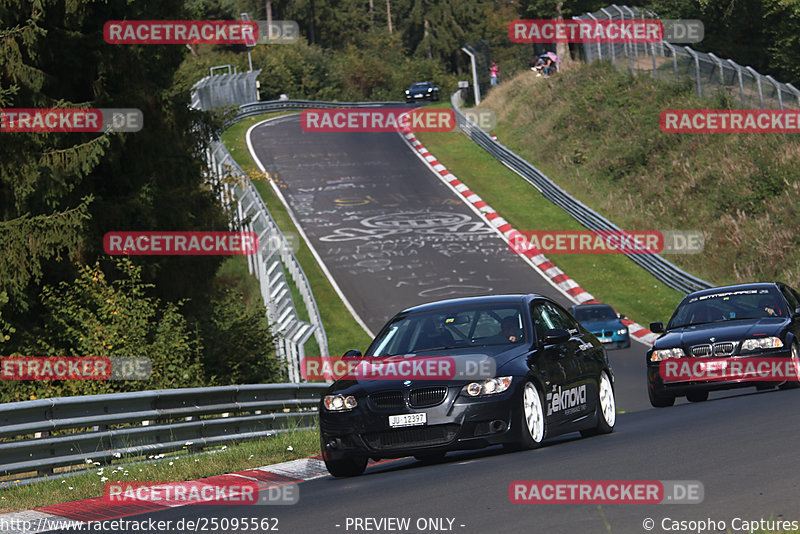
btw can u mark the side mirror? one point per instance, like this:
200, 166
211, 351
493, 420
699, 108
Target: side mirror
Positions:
554, 336
353, 353
657, 328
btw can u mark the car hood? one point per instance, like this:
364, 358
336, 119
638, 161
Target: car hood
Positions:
730, 330
418, 90
501, 355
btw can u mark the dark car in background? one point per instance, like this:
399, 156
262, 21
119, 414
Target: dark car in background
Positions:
736, 323
549, 376
422, 91
602, 321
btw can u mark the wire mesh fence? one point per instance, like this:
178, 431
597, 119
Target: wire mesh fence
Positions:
709, 74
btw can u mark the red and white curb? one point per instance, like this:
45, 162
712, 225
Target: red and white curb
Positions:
517, 241
70, 515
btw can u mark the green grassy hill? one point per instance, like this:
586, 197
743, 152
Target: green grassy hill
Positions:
595, 132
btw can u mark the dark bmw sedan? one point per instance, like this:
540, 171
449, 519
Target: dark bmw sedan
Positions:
729, 327
548, 376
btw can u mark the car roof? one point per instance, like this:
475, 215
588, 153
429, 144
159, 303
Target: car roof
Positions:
471, 301
756, 285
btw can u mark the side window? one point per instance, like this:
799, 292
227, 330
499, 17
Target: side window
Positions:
561, 319
541, 320
789, 294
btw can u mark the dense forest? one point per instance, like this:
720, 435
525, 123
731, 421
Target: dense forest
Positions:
60, 192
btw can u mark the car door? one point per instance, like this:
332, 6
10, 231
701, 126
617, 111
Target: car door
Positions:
583, 364
556, 364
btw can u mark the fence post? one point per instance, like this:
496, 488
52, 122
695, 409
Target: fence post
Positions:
757, 77
741, 82
599, 46
610, 45
796, 92
674, 58
696, 69
718, 61
774, 82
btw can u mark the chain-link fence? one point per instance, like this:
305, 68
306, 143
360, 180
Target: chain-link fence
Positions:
709, 73
220, 90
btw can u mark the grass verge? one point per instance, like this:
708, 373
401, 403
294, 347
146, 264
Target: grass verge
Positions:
611, 278
342, 331
176, 466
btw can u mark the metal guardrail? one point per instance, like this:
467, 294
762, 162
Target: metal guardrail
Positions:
267, 264
662, 269
99, 428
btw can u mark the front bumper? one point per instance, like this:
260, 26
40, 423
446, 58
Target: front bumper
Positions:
680, 388
457, 423
618, 341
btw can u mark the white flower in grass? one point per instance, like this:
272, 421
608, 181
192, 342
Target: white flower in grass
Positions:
88, 461
289, 448
70, 487
140, 470
197, 459
117, 455
103, 479
171, 463
63, 481
97, 463
224, 447
250, 457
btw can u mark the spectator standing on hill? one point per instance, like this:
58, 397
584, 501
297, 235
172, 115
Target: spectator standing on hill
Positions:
494, 73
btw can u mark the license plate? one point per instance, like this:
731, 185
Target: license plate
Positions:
418, 96
408, 419
605, 340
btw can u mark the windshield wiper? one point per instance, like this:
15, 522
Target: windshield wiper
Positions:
440, 348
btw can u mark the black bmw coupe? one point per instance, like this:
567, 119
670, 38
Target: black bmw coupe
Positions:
548, 376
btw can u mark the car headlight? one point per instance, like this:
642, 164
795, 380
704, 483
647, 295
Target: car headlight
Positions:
339, 403
663, 354
430, 89
491, 386
761, 343
407, 91
622, 331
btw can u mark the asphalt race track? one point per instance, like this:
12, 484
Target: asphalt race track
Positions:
393, 235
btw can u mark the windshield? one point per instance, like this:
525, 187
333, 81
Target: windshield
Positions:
421, 85
470, 327
595, 313
728, 305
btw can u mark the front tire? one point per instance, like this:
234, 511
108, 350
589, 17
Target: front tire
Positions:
659, 401
347, 467
697, 396
531, 419
795, 357
606, 410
